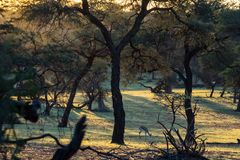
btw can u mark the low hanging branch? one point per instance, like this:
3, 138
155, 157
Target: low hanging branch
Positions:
24, 141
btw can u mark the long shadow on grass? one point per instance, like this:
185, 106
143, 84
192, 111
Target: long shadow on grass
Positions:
141, 111
218, 108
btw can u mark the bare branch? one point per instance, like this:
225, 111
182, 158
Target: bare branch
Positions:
180, 74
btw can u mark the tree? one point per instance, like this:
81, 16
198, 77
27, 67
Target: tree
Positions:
73, 65
225, 58
209, 71
229, 21
115, 48
194, 34
12, 72
70, 57
92, 86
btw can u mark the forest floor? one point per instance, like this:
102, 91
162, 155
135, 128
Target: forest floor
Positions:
216, 119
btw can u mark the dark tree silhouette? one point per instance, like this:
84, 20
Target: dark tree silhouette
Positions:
115, 50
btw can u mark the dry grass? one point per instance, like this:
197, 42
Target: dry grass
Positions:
216, 119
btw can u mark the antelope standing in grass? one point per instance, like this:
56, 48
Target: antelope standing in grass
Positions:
145, 130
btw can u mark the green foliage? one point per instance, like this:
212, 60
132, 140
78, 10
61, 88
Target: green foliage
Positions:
232, 74
42, 10
201, 26
10, 75
50, 12
206, 10
230, 20
204, 15
230, 27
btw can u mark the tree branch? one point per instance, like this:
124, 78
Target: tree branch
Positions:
34, 138
136, 26
106, 34
180, 74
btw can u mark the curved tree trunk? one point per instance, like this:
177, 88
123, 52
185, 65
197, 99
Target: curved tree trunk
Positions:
189, 54
188, 100
187, 79
119, 113
73, 92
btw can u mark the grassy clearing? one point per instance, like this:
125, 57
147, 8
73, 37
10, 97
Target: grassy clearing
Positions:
216, 119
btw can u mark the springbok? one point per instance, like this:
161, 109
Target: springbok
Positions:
145, 130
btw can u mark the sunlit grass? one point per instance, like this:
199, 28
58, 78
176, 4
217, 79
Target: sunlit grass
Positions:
217, 121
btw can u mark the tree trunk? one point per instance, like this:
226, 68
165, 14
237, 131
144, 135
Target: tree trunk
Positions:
119, 114
153, 75
19, 98
73, 92
234, 95
48, 107
1, 129
188, 98
213, 88
238, 105
89, 103
223, 92
168, 85
47, 110
101, 105
189, 112
140, 77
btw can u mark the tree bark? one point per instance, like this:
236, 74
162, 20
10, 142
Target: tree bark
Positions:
238, 105
73, 92
1, 129
101, 105
168, 85
223, 92
119, 113
153, 75
188, 95
235, 95
89, 104
48, 107
213, 88
188, 106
